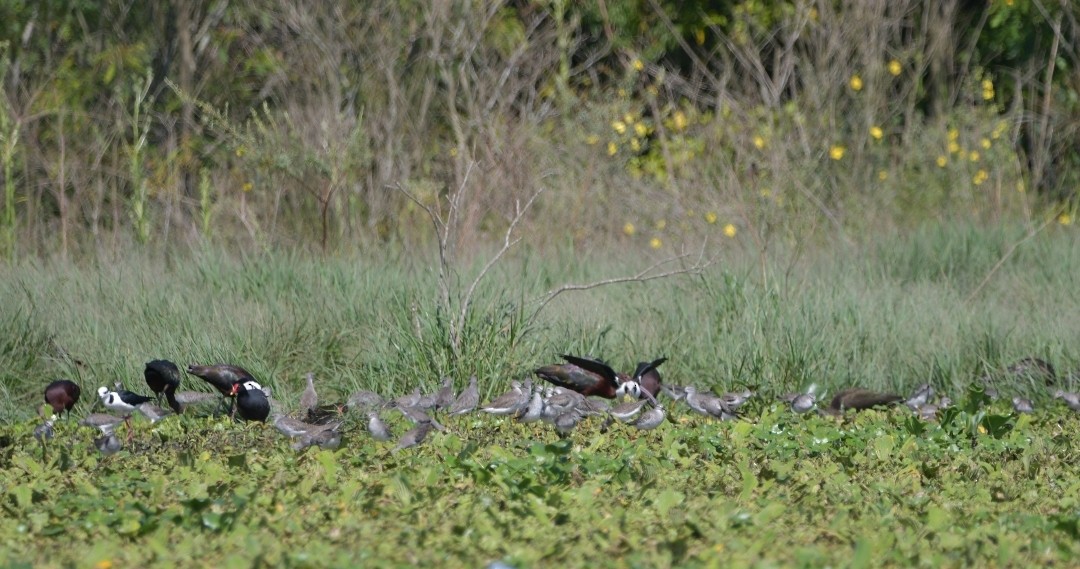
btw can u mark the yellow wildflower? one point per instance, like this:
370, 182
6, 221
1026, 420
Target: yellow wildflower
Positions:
247, 186
592, 139
629, 228
942, 161
661, 224
973, 156
103, 564
954, 134
856, 82
635, 144
612, 148
637, 65
980, 177
629, 118
729, 230
240, 151
883, 175
876, 132
710, 217
954, 147
1065, 218
699, 36
985, 143
759, 142
679, 120
655, 243
619, 126
640, 129
894, 67
836, 152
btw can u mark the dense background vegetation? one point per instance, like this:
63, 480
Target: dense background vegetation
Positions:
253, 123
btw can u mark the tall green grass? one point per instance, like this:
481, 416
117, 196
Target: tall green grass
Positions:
890, 314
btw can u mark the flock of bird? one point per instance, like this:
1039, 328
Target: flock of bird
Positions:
572, 390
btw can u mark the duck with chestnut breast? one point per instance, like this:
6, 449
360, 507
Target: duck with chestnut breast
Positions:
586, 376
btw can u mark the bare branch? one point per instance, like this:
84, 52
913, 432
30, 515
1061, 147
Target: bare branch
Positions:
647, 274
519, 213
1012, 249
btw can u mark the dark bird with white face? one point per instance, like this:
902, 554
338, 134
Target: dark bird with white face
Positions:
251, 401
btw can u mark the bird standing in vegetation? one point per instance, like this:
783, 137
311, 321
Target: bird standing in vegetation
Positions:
163, 378
251, 401
860, 399
377, 428
1022, 405
467, 401
309, 399
414, 437
920, 397
444, 398
584, 375
512, 401
1072, 400
648, 376
62, 395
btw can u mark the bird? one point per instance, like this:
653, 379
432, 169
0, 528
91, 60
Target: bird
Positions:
107, 444
675, 392
629, 411
648, 377
467, 400
534, 410
1033, 368
510, 402
1071, 399
187, 398
414, 436
163, 378
803, 403
927, 412
860, 399
122, 401
309, 399
584, 375
1022, 405
221, 376
377, 428
44, 432
410, 400
105, 423
291, 427
444, 398
566, 422
251, 401
629, 390
709, 404
920, 397
732, 401
62, 395
650, 419
414, 414
365, 400
328, 439
152, 412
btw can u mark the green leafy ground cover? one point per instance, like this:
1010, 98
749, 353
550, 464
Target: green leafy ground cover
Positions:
982, 487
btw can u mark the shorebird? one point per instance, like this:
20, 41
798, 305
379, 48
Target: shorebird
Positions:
629, 411
510, 402
62, 395
1022, 405
309, 399
414, 437
1071, 399
920, 397
105, 423
123, 402
410, 400
650, 419
444, 398
533, 411
152, 412
467, 400
107, 444
378, 429
732, 401
803, 403
163, 378
365, 400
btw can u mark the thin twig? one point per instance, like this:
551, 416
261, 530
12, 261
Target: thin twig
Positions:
508, 242
642, 276
1010, 252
